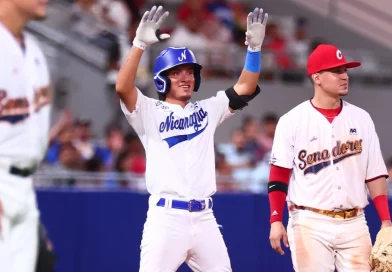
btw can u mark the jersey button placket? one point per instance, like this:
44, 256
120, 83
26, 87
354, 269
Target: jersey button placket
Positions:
336, 175
341, 194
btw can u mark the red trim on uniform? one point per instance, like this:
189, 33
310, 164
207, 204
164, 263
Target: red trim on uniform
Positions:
382, 207
277, 199
372, 179
330, 114
280, 173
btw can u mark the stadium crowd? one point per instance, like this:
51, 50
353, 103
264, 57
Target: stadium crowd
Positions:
204, 26
241, 163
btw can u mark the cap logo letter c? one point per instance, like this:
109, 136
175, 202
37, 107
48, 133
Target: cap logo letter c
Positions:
339, 54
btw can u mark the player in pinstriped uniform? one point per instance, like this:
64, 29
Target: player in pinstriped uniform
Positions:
178, 137
326, 158
24, 131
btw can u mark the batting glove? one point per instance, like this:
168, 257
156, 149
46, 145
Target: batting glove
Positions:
255, 31
148, 32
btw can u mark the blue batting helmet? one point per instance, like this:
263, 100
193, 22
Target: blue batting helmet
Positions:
172, 57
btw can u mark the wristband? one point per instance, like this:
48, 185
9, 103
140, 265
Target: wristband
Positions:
139, 44
253, 60
382, 207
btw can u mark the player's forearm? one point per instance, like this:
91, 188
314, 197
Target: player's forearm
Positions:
377, 187
127, 74
277, 191
249, 77
378, 193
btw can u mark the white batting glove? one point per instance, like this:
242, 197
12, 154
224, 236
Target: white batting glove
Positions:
148, 32
255, 31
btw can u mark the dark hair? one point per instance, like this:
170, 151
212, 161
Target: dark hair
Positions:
269, 117
246, 121
121, 157
112, 128
130, 136
93, 164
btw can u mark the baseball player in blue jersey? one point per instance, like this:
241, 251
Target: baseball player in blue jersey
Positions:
178, 137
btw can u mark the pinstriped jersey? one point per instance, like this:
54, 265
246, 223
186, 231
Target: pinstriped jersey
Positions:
24, 101
331, 162
179, 144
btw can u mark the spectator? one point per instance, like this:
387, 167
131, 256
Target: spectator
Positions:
251, 129
268, 123
224, 171
94, 165
222, 10
188, 7
114, 144
134, 145
123, 166
277, 45
116, 13
64, 136
60, 132
259, 177
89, 20
240, 25
64, 122
188, 34
237, 156
69, 158
82, 138
299, 46
83, 15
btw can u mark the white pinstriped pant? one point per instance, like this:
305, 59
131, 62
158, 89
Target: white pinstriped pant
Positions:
319, 242
172, 237
19, 235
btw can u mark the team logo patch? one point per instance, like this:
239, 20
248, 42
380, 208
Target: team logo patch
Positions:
353, 131
15, 110
339, 54
312, 163
176, 130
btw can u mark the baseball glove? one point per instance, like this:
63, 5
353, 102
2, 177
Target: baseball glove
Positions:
381, 255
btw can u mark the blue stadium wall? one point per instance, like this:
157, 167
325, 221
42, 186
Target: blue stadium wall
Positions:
101, 231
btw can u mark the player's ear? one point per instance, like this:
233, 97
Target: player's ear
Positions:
316, 78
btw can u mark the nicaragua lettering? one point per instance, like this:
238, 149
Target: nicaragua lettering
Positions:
194, 120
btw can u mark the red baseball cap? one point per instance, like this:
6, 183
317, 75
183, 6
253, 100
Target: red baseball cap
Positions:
327, 56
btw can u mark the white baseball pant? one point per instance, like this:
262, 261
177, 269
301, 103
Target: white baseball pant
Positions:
319, 242
172, 237
19, 234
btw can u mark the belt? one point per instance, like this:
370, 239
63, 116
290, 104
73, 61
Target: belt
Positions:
22, 172
335, 214
191, 205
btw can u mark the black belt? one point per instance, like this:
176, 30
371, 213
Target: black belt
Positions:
22, 172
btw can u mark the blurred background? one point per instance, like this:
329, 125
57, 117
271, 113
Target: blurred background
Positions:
90, 187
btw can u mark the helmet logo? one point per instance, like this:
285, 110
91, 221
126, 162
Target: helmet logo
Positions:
339, 54
183, 56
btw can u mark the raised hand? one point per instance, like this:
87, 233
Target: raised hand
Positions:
148, 31
255, 33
